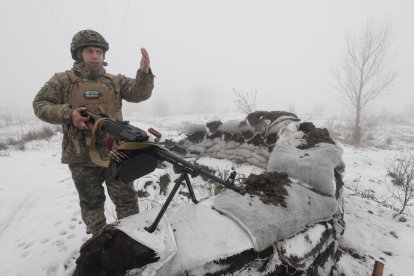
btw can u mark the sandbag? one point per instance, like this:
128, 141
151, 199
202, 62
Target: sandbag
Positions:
314, 166
267, 223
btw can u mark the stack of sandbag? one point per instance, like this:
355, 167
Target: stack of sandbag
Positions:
312, 164
248, 141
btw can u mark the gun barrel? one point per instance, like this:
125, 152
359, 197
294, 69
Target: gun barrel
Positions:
192, 169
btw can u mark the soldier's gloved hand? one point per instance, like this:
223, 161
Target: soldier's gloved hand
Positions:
78, 120
145, 61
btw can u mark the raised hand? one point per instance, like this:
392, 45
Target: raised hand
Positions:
145, 61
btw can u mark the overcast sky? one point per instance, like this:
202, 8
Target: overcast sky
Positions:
201, 50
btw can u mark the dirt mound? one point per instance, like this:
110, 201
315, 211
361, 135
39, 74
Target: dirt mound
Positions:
269, 187
314, 135
112, 253
257, 117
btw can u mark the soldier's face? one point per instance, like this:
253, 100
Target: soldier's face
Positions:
93, 56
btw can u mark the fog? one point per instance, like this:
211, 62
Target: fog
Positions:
201, 50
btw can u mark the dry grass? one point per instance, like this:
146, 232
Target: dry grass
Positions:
44, 133
3, 146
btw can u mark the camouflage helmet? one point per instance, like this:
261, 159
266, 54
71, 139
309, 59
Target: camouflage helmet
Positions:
84, 39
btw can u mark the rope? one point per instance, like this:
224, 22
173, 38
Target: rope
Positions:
104, 16
93, 154
56, 18
123, 23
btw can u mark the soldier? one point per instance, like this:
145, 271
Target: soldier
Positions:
87, 86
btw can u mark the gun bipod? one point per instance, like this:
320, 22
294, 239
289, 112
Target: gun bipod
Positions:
183, 177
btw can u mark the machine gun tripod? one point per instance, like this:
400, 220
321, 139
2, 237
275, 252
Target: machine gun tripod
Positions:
186, 169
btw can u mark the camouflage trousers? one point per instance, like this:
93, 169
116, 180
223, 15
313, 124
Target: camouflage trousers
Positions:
88, 182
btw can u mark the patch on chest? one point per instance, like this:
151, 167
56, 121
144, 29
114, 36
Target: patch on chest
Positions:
92, 94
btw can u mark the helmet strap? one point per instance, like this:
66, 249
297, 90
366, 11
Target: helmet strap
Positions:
79, 54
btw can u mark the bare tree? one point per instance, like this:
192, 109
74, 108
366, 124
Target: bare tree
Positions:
401, 170
365, 73
246, 102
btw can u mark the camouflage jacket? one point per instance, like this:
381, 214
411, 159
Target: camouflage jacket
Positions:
51, 105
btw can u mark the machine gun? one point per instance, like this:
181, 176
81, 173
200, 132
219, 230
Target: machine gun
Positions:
136, 156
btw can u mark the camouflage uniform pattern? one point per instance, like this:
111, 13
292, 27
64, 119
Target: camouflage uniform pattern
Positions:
88, 182
51, 105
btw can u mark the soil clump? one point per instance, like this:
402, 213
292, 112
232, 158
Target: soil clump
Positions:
314, 135
257, 117
269, 187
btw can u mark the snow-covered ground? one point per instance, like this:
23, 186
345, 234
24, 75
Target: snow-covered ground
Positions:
41, 230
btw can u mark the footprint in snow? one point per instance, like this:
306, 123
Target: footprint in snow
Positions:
57, 223
24, 245
44, 240
63, 180
60, 245
52, 269
28, 245
25, 254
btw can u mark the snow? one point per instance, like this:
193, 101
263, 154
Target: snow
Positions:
372, 231
41, 229
300, 245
